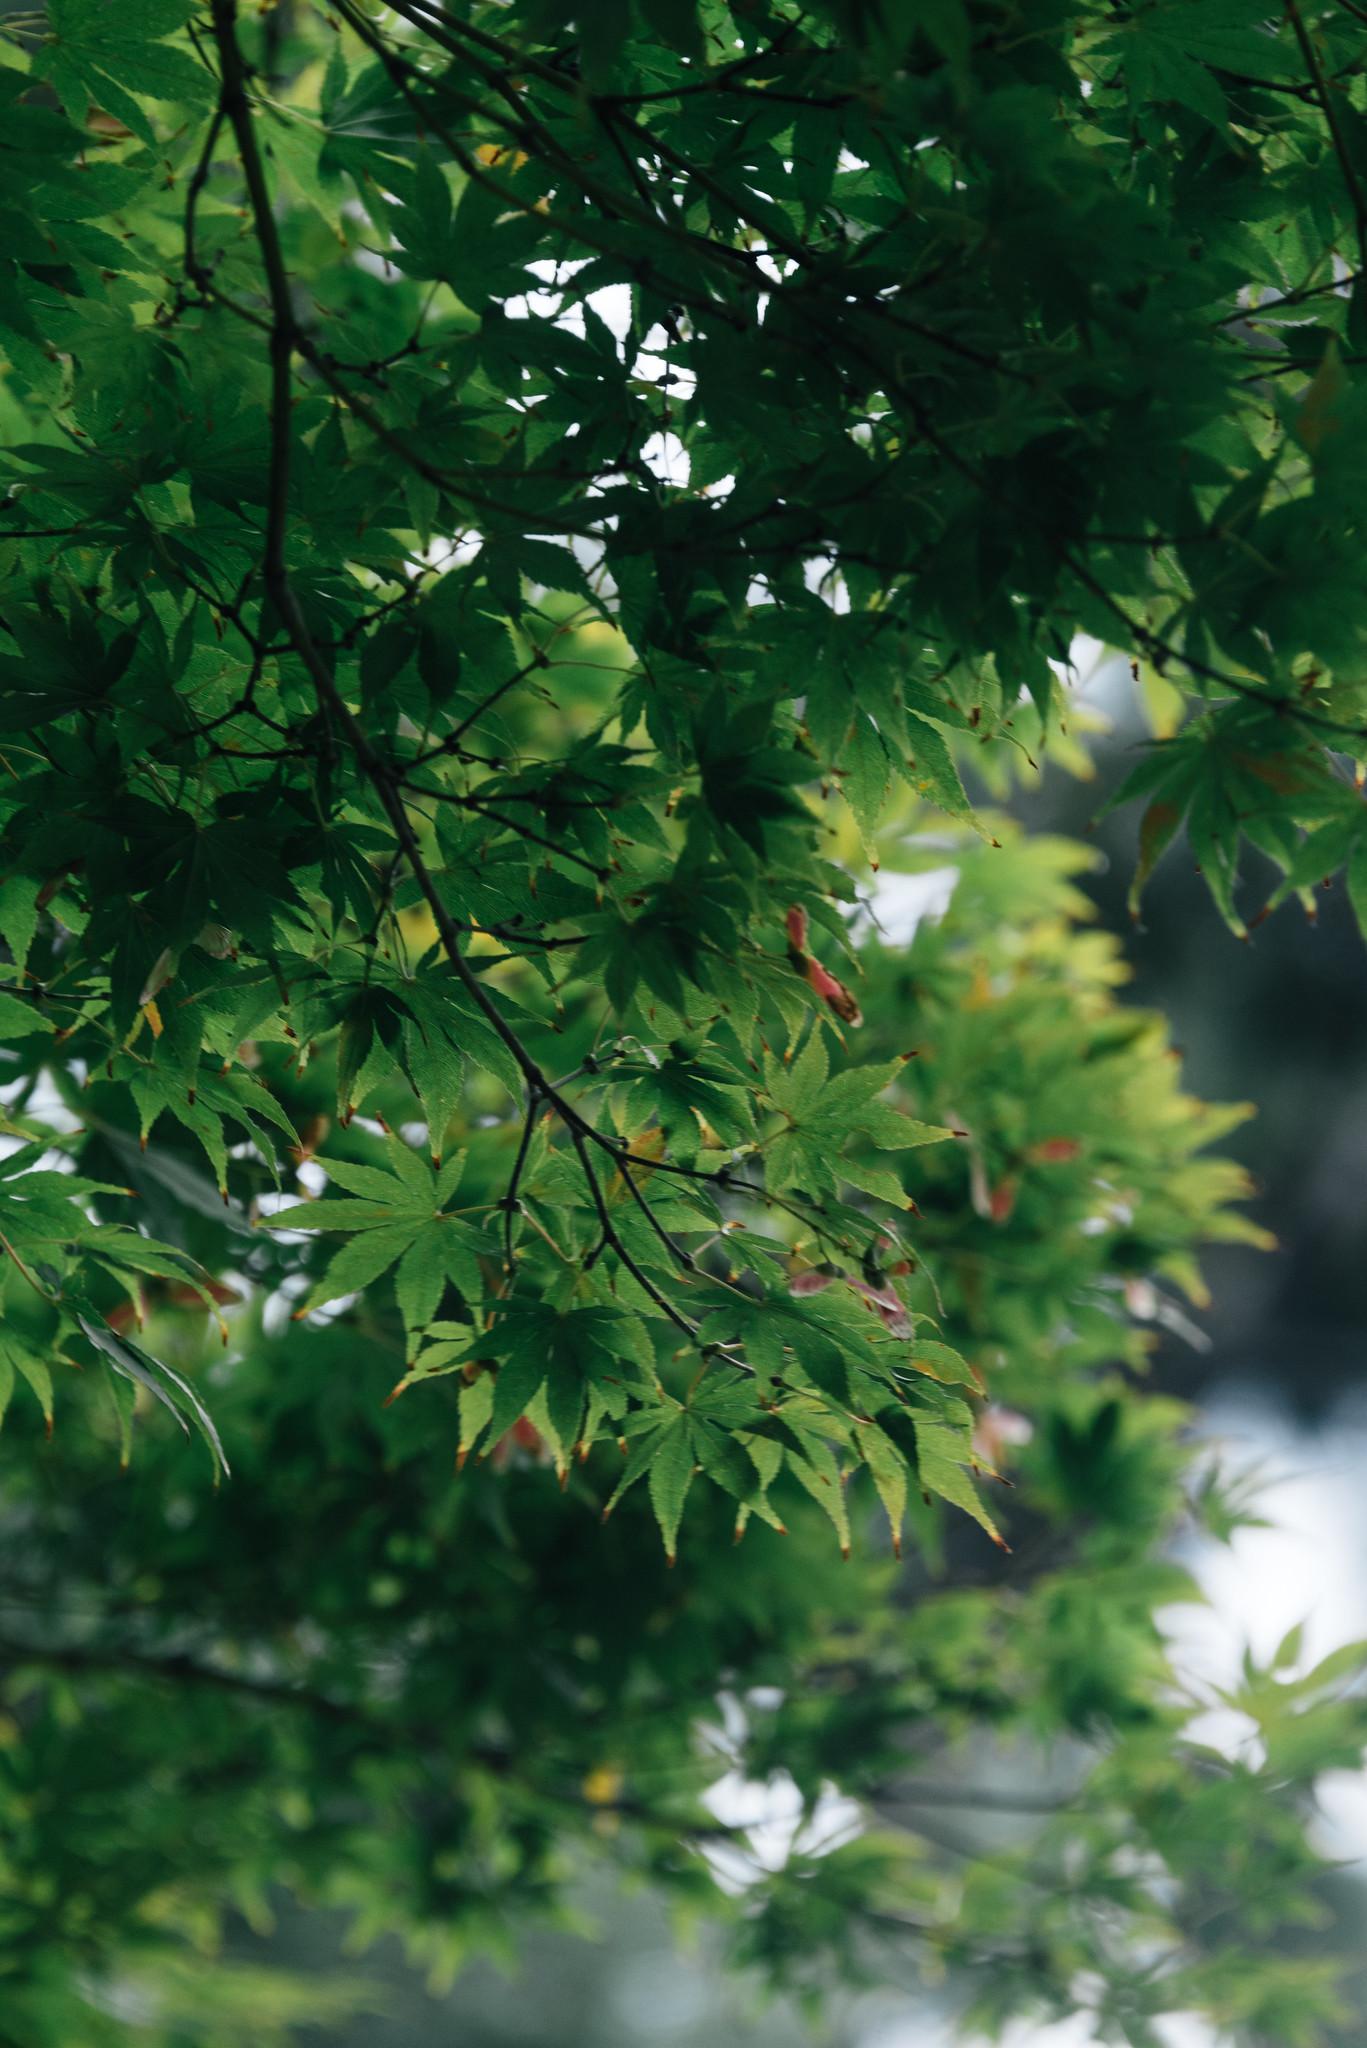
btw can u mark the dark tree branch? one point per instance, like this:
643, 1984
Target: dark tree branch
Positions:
382, 774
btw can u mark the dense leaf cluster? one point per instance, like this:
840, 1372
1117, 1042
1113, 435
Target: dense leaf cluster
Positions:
512, 511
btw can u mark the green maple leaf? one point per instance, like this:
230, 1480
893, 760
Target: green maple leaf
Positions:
399, 1220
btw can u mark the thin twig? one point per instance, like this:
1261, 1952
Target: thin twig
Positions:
612, 1239
1324, 93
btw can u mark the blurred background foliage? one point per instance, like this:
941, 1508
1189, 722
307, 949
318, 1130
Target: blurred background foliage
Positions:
353, 1691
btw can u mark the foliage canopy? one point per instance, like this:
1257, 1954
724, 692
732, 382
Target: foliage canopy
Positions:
513, 510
